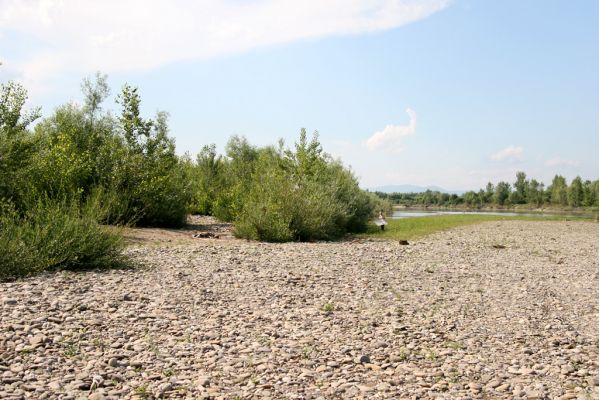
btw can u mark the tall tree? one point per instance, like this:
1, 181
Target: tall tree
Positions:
559, 190
534, 193
502, 193
489, 192
520, 187
575, 192
16, 144
588, 196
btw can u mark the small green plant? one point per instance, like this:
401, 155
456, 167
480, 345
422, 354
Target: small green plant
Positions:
168, 372
430, 355
453, 377
307, 352
142, 391
404, 354
70, 349
99, 343
455, 345
328, 307
365, 328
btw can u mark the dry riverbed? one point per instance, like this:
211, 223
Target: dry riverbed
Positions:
496, 310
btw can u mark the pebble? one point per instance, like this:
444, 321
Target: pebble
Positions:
364, 359
113, 362
227, 318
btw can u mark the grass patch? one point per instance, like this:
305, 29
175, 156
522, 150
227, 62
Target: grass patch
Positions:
417, 227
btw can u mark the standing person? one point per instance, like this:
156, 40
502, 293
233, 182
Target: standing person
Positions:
381, 221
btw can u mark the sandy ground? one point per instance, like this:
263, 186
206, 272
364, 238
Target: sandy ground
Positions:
498, 310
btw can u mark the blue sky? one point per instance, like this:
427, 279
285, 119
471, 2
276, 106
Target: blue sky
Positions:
432, 92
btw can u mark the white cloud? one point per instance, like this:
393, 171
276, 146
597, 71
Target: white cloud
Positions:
390, 138
125, 35
508, 152
559, 162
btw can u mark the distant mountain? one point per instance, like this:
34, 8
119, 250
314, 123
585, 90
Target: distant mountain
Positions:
412, 189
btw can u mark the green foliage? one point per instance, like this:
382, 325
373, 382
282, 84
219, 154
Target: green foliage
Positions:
149, 175
502, 193
236, 178
531, 193
206, 178
55, 235
576, 192
13, 118
79, 167
265, 213
559, 190
535, 193
277, 194
472, 199
17, 146
519, 195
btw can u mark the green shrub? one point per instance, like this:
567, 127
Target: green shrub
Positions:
266, 214
55, 235
206, 177
133, 160
299, 195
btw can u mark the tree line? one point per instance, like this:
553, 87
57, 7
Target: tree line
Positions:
68, 179
523, 192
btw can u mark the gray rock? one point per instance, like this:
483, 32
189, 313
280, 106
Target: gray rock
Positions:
9, 301
113, 362
364, 359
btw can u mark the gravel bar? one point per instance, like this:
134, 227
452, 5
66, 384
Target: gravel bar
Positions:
497, 310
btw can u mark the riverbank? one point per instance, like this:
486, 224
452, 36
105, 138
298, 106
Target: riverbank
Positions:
504, 309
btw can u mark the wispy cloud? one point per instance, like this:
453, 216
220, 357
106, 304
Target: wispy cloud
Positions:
125, 35
510, 152
390, 138
560, 162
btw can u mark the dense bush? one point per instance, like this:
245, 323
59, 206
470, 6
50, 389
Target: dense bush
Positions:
55, 235
78, 168
82, 167
274, 194
149, 175
205, 179
131, 159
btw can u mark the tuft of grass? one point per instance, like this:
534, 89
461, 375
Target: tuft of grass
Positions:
455, 345
328, 307
307, 352
71, 349
430, 355
142, 391
413, 228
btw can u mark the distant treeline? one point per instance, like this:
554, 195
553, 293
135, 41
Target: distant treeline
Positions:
65, 179
524, 192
